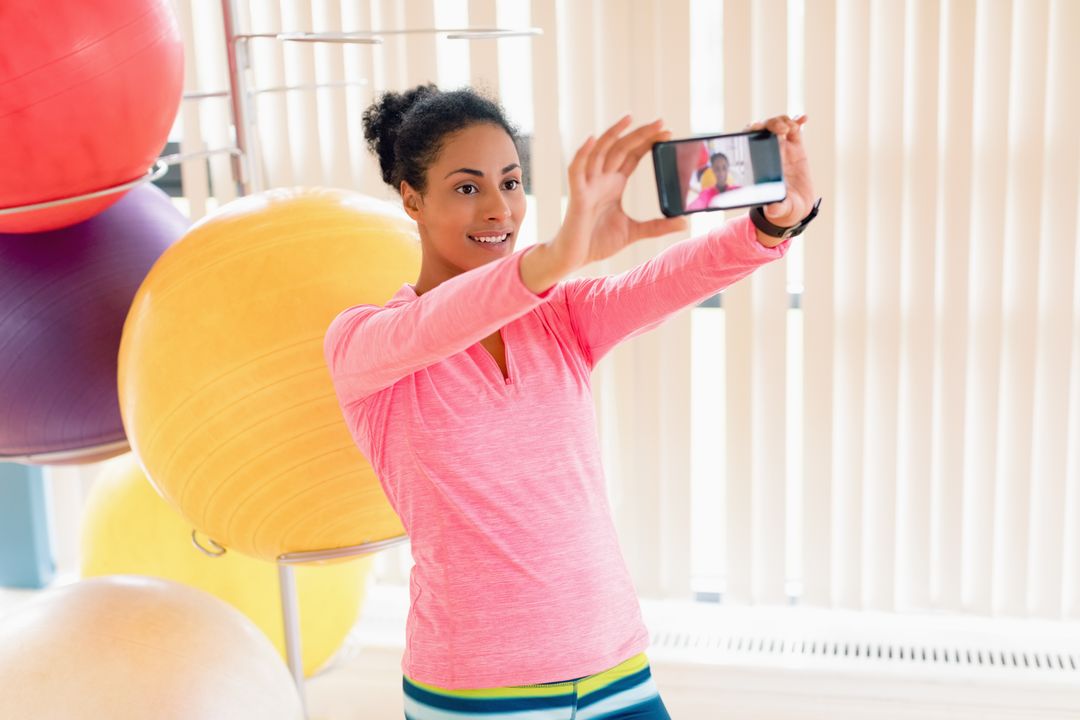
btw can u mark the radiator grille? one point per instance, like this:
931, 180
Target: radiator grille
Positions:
733, 646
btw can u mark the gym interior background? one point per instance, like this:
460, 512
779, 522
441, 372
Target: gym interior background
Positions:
849, 484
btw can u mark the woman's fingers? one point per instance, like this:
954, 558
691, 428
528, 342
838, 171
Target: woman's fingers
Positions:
614, 151
634, 155
779, 125
783, 126
630, 147
599, 152
576, 171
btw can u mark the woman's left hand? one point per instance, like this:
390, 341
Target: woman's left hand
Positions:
800, 188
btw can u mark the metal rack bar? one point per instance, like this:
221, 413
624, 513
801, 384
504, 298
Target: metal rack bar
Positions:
236, 54
375, 37
61, 457
152, 174
277, 89
314, 556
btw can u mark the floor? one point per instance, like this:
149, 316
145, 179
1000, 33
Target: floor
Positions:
363, 682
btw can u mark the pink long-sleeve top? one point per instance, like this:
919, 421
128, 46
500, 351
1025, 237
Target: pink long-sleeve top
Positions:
518, 575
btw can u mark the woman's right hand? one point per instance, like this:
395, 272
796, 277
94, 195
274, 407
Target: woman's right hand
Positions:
595, 226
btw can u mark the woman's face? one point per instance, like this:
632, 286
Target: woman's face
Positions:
720, 170
474, 202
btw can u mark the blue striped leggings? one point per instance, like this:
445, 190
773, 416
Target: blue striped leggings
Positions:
625, 692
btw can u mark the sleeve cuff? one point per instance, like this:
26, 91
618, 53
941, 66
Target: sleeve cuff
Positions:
748, 232
520, 254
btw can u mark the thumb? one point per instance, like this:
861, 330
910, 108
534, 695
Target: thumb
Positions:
659, 226
777, 210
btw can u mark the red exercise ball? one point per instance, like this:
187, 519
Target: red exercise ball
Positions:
88, 94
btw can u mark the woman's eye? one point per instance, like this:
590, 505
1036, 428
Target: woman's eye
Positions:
512, 184
468, 189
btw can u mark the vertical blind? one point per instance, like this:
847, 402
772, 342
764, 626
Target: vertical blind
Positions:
931, 461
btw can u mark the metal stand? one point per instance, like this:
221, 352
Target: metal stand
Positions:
290, 604
290, 610
244, 132
236, 52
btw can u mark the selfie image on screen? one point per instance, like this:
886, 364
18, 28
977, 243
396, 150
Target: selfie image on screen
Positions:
728, 172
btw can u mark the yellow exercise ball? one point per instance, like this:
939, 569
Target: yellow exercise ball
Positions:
224, 391
128, 648
128, 529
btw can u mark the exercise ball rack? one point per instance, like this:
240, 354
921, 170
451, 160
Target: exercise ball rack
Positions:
239, 95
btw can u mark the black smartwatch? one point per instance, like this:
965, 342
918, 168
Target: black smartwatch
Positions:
757, 216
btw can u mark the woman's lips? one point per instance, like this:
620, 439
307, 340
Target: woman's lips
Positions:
490, 238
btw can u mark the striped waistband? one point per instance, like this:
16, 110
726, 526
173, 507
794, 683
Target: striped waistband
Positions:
629, 681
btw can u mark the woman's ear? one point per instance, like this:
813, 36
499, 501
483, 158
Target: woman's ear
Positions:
411, 200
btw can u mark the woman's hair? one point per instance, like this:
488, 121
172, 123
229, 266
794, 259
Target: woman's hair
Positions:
407, 130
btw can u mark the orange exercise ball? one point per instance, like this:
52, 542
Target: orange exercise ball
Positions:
134, 647
224, 390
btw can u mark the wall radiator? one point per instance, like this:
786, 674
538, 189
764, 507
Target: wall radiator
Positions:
766, 663
762, 663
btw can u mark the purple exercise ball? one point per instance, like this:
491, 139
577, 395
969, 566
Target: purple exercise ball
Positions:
64, 296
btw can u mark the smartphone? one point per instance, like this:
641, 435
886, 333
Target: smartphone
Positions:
718, 172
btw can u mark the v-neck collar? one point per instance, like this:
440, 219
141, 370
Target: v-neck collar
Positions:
408, 293
508, 378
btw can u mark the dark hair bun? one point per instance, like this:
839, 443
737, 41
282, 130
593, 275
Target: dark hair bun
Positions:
406, 130
383, 119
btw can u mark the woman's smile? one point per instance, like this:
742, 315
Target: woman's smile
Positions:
492, 238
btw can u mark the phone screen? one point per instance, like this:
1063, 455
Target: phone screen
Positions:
718, 172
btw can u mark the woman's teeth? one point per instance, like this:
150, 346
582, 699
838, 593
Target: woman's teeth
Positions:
490, 238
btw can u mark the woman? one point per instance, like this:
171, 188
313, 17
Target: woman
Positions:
718, 163
469, 393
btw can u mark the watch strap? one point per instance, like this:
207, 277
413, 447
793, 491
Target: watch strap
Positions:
757, 216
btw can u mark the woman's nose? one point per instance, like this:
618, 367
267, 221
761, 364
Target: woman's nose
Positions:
497, 208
